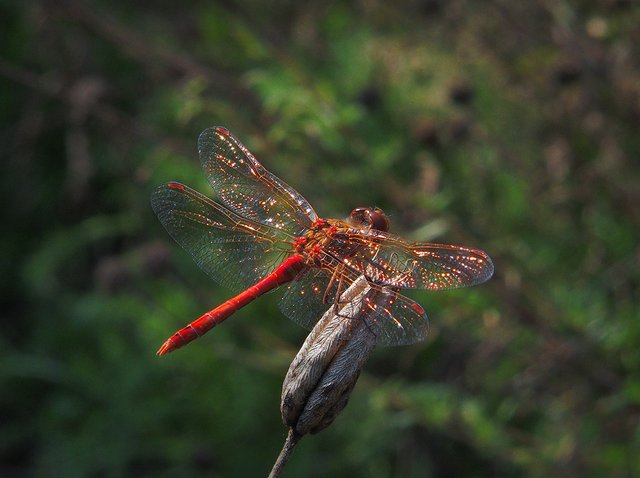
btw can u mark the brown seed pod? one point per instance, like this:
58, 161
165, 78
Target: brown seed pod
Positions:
323, 373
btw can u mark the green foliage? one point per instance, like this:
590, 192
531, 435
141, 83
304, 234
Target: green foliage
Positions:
508, 126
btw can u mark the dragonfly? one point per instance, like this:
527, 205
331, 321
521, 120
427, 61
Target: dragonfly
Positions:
260, 233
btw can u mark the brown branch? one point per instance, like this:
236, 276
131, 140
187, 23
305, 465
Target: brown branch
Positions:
287, 449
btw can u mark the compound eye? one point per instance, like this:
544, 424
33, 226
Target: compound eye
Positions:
379, 220
360, 216
372, 217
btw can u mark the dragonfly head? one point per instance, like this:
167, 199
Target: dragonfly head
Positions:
372, 217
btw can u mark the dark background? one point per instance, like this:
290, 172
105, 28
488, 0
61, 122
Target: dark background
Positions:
507, 126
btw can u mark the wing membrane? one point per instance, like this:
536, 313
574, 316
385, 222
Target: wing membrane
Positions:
243, 185
388, 260
394, 318
309, 296
235, 251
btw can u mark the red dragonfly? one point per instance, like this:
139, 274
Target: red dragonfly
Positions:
260, 233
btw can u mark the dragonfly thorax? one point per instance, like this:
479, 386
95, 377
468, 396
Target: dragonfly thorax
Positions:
326, 235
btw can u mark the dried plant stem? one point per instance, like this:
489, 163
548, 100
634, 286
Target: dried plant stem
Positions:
287, 449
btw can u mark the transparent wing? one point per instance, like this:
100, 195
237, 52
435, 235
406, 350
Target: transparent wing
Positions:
394, 318
235, 251
388, 260
309, 296
243, 185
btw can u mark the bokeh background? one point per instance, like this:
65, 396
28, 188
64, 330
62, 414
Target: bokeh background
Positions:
506, 126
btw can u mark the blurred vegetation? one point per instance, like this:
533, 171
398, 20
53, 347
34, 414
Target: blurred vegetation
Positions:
507, 126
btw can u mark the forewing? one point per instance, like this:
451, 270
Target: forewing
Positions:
243, 185
388, 260
234, 251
